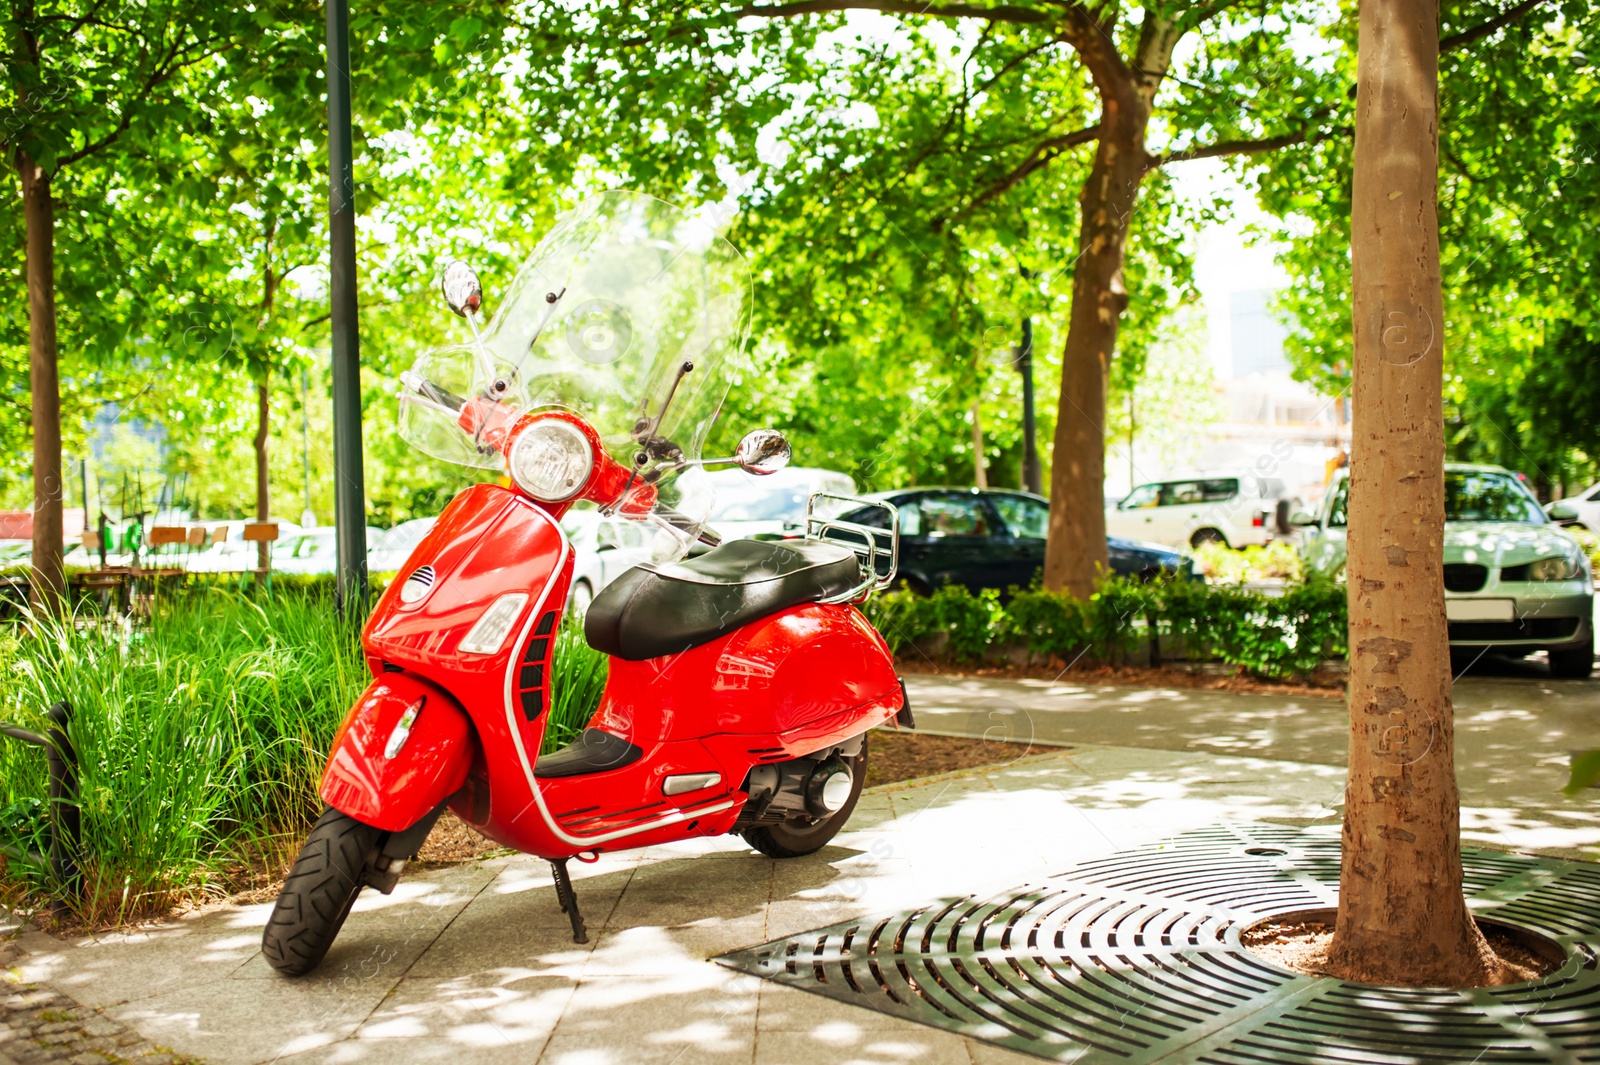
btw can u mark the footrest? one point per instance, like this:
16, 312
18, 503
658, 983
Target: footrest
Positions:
595, 751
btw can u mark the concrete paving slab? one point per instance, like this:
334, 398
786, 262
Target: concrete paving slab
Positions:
1516, 728
705, 1015
488, 1009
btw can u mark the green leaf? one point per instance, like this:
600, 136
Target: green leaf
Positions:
1585, 772
466, 29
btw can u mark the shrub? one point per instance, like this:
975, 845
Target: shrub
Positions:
1048, 624
1277, 560
950, 623
1591, 546
1271, 636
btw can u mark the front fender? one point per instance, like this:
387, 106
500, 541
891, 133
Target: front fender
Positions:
394, 792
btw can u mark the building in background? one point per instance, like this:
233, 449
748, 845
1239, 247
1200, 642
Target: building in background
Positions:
1275, 426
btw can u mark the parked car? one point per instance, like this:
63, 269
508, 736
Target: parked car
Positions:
1514, 581
391, 550
1238, 510
603, 548
314, 551
769, 506
1581, 511
992, 539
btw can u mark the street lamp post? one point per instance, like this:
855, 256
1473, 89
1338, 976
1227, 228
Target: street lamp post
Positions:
349, 484
1022, 359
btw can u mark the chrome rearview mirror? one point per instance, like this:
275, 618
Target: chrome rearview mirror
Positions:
461, 289
762, 451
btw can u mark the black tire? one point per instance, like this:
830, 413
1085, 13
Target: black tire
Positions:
792, 839
317, 896
1207, 536
1573, 664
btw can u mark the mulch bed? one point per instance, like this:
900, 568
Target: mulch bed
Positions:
1303, 947
1325, 683
896, 756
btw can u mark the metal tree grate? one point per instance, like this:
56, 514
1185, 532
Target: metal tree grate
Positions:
1136, 958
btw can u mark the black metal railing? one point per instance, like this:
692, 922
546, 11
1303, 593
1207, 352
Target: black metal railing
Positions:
64, 823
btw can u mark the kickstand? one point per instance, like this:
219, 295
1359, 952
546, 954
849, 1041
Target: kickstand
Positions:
568, 899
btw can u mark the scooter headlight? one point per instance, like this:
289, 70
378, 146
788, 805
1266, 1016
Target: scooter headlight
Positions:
551, 460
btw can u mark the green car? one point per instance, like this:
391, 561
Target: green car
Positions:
1514, 581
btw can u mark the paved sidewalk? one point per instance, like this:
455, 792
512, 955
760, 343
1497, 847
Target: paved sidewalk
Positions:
1514, 737
477, 960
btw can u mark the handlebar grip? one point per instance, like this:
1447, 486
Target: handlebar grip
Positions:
427, 389
682, 522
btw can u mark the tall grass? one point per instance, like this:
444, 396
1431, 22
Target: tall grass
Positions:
200, 734
201, 738
577, 679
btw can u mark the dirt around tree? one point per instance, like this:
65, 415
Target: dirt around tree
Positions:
1301, 943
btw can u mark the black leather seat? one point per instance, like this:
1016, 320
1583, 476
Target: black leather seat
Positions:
655, 610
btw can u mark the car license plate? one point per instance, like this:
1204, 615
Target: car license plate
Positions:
1479, 610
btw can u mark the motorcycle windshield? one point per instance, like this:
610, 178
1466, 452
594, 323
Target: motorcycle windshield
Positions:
629, 313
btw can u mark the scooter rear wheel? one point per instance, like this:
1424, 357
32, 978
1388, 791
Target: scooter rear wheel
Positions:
792, 839
317, 896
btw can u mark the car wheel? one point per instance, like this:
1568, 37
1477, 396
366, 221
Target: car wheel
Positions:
1207, 536
1574, 663
578, 600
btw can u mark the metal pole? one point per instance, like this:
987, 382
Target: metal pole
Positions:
65, 816
1032, 476
349, 485
306, 516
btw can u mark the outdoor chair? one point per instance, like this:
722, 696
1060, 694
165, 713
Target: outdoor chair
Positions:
261, 532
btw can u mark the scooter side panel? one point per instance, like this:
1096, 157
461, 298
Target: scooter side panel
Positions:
386, 774
808, 665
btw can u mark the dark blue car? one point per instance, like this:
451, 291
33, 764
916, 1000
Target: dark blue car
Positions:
992, 539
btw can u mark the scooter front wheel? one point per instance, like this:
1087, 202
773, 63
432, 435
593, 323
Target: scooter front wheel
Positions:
317, 896
792, 839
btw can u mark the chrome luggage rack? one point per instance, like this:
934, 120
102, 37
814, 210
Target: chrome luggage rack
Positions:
864, 540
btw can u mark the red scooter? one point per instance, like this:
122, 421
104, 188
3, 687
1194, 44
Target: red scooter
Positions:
743, 679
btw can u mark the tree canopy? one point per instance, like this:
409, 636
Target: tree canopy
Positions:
907, 181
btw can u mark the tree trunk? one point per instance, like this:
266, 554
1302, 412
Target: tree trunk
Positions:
1402, 918
49, 576
263, 495
1075, 554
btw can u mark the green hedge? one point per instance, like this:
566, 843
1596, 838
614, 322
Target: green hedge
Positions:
1267, 635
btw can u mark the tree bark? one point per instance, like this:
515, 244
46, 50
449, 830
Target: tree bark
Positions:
263, 483
269, 295
1075, 553
1402, 918
49, 576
